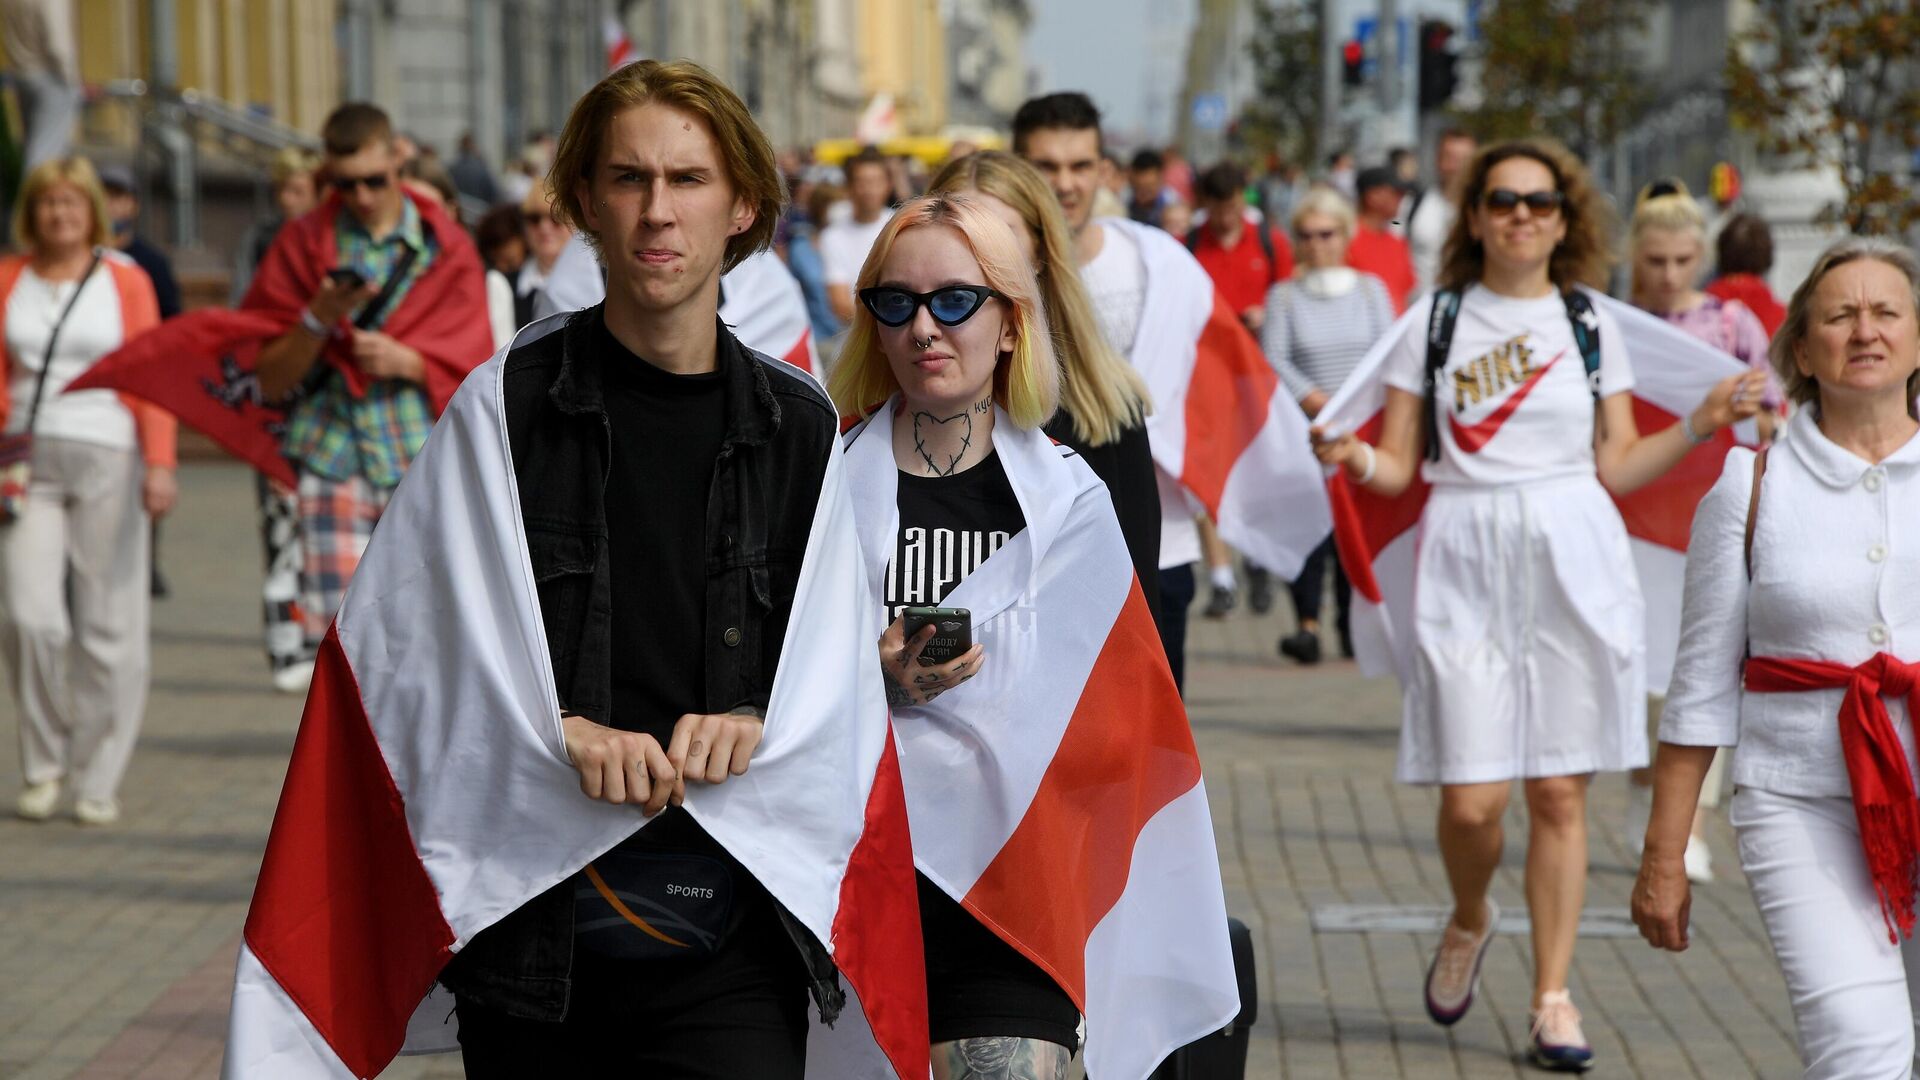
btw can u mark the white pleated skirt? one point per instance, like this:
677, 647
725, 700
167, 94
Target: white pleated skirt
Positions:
1530, 657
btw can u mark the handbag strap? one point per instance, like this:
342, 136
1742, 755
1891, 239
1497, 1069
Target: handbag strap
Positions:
46, 362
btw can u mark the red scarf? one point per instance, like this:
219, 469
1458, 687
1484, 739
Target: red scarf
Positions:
199, 366
1883, 795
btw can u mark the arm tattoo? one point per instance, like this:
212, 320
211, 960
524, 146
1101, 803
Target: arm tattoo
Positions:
898, 695
931, 421
1001, 1057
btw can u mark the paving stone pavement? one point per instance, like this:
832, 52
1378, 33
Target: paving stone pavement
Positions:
117, 945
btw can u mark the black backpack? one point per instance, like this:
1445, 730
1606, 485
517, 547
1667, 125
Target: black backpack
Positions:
1446, 312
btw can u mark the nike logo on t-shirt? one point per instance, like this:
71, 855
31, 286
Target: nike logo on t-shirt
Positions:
1472, 438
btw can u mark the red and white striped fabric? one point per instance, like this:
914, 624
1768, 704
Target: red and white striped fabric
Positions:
760, 300
1222, 424
1672, 372
430, 793
1057, 795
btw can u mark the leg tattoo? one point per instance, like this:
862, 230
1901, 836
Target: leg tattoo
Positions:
1000, 1058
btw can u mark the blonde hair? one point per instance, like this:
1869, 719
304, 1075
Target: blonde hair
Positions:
1672, 211
290, 162
75, 170
1325, 202
745, 153
1099, 391
1025, 384
1802, 388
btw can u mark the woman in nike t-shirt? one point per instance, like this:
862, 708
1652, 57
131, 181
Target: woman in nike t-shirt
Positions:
1527, 611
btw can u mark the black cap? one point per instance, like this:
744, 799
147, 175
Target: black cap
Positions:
1376, 176
117, 178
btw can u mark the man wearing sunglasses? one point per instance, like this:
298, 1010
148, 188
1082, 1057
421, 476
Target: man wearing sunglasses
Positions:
387, 312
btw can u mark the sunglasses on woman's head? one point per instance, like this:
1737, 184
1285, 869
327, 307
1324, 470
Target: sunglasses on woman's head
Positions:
949, 305
1662, 188
1506, 200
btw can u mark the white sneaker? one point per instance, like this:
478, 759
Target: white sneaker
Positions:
36, 800
1699, 861
294, 678
96, 811
1639, 812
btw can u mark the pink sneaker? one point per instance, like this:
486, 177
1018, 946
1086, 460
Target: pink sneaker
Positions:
1557, 1043
1455, 973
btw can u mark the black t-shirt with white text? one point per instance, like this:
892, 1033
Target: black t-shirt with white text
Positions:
949, 525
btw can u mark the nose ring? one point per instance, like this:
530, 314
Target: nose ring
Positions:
927, 344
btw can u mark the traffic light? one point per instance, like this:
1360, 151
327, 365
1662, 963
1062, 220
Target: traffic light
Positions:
1437, 60
1353, 57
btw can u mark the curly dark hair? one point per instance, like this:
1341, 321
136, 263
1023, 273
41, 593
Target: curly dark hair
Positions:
1583, 258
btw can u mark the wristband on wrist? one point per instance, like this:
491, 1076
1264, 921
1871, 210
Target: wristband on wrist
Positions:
311, 324
1694, 438
1373, 462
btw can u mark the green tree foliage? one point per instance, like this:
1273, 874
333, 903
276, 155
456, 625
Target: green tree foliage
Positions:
1836, 84
1561, 68
1285, 113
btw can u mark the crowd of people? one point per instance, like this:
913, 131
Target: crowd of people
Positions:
1011, 342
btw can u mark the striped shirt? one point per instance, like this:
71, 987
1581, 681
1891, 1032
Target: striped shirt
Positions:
1314, 341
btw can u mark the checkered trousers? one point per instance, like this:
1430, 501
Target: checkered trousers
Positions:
336, 521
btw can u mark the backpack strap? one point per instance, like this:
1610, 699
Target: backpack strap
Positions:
1266, 245
1193, 238
1753, 504
1586, 334
1440, 323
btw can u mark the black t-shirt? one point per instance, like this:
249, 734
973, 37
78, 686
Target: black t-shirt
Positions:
666, 432
977, 984
949, 525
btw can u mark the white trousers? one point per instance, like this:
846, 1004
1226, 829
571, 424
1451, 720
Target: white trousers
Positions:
1852, 989
74, 608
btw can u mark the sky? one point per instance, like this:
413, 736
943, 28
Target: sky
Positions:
1129, 55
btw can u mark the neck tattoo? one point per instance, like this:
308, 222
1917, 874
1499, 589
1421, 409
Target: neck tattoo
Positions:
925, 424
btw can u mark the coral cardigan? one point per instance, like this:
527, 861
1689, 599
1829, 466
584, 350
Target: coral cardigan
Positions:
139, 312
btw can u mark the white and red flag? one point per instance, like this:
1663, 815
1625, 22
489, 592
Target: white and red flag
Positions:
760, 301
430, 792
1377, 536
1222, 424
1057, 795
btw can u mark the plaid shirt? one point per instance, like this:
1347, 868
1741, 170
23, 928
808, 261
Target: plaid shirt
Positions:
336, 435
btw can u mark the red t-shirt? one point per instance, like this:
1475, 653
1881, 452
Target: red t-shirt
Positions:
1386, 257
1753, 292
1243, 272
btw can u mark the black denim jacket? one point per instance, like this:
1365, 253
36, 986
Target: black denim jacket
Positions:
766, 481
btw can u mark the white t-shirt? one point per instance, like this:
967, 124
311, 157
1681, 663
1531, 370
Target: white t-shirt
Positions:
1514, 404
1427, 237
1116, 281
844, 246
93, 330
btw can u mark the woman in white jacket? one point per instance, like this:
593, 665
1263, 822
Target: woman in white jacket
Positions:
1800, 648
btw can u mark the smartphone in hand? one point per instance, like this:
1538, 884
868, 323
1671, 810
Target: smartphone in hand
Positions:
346, 275
952, 632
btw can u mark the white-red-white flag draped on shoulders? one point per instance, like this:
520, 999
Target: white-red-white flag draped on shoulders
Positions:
1222, 424
1672, 373
430, 793
1057, 795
